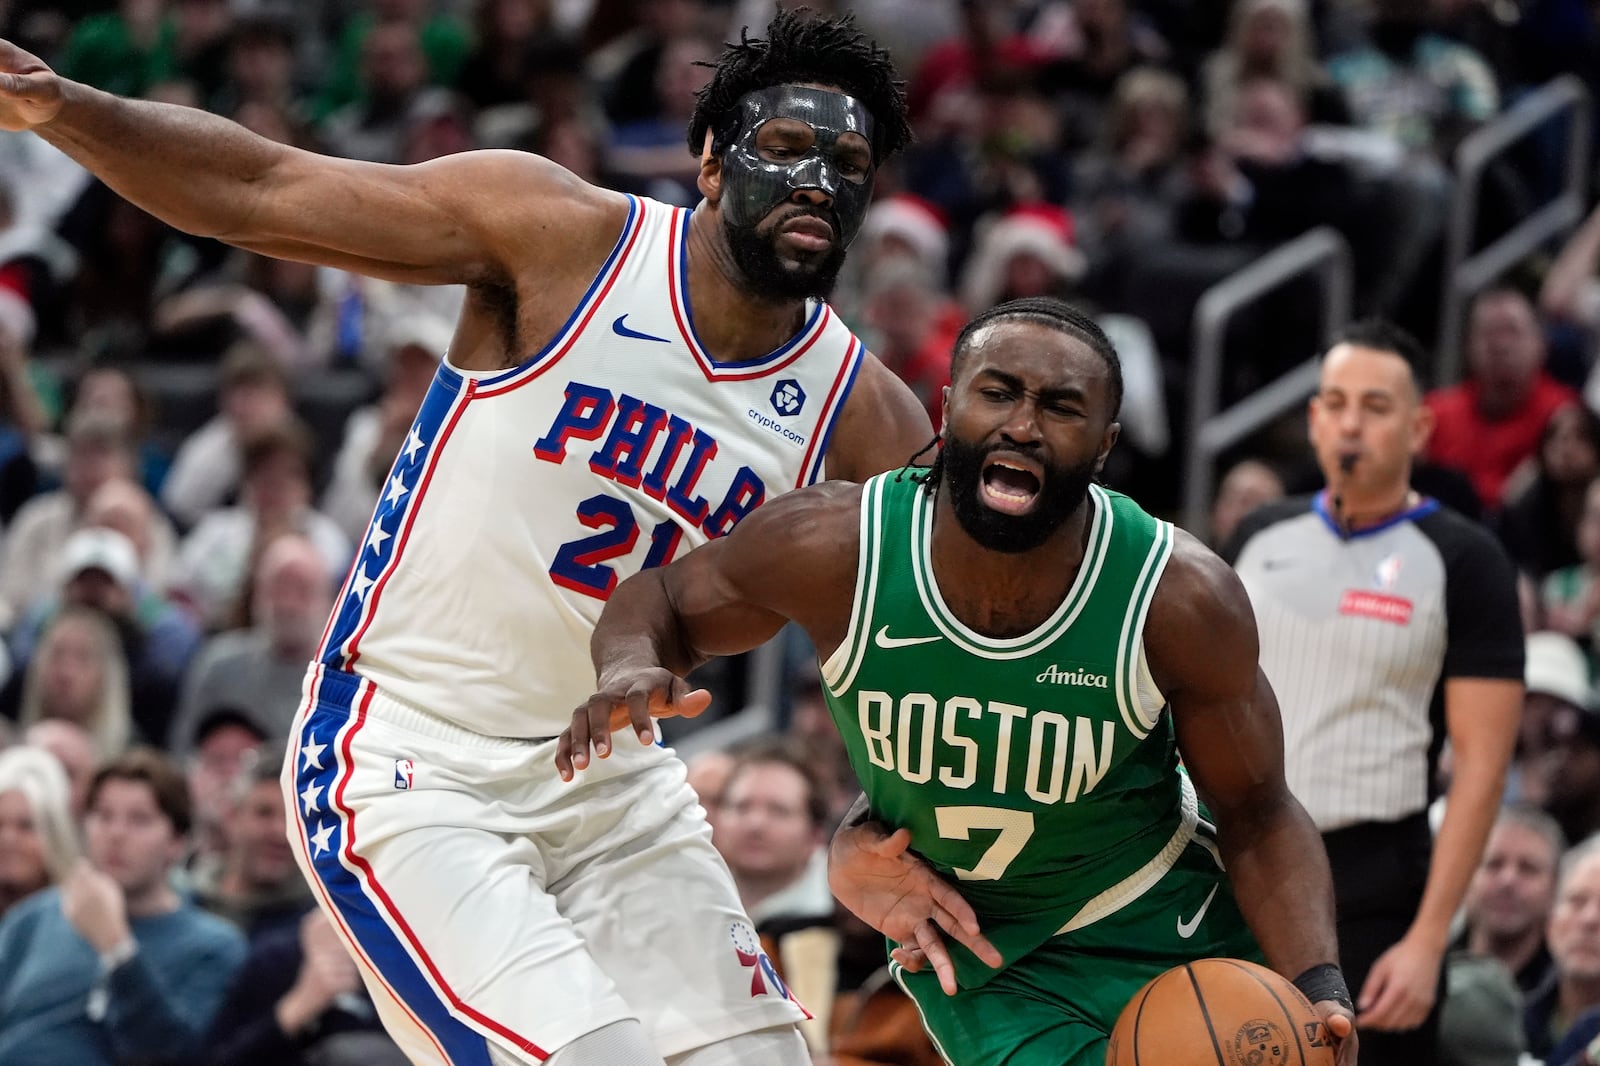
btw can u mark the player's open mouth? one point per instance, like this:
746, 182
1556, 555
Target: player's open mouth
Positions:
1011, 484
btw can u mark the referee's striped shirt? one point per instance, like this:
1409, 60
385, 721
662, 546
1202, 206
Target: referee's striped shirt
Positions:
1358, 635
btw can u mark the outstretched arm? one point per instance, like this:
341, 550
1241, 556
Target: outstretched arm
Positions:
437, 222
1231, 738
793, 559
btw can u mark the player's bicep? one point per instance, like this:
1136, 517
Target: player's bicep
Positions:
1232, 747
456, 219
1203, 649
720, 610
793, 559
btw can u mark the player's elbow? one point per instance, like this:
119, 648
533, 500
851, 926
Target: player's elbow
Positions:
1257, 813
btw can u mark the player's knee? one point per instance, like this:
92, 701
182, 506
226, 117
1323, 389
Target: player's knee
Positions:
780, 1046
621, 1043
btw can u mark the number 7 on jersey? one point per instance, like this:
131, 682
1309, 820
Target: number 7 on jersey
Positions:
957, 823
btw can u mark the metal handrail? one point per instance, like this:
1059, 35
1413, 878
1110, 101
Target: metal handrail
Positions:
1467, 272
1321, 251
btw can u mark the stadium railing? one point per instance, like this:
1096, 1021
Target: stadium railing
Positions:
1467, 271
1321, 252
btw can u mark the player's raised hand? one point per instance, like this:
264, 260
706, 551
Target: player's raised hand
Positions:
631, 700
879, 880
30, 92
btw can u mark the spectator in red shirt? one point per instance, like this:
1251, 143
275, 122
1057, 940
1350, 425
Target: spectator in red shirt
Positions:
1490, 424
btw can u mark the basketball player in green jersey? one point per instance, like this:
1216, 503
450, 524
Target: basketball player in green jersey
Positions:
1016, 658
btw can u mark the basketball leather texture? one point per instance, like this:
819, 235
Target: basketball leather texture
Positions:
1219, 1012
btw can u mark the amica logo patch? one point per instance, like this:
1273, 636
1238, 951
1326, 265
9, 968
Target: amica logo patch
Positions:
1054, 675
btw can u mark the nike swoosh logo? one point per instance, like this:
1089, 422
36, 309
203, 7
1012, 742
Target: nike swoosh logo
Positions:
883, 640
620, 328
1277, 564
1186, 929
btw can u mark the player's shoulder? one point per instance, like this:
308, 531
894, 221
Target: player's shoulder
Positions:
1198, 593
511, 184
503, 165
881, 426
1196, 577
813, 509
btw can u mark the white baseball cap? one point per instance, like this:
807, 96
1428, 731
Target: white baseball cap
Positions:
100, 549
1557, 667
419, 328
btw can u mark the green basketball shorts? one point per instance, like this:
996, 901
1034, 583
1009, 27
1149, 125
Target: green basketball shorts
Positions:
1057, 1005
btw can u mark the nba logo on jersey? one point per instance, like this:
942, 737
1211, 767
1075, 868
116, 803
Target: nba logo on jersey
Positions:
788, 397
404, 773
1388, 573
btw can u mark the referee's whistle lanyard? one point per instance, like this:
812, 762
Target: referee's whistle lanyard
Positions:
1330, 505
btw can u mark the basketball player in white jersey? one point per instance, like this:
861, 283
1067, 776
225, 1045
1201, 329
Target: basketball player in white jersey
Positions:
627, 380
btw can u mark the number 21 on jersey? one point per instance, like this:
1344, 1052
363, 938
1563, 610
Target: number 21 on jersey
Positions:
580, 565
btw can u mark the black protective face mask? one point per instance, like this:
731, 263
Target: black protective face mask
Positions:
753, 186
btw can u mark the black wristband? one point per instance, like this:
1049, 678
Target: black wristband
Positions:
1325, 982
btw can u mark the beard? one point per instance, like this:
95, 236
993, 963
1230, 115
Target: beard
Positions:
1062, 491
769, 277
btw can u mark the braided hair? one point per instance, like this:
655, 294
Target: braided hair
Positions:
1045, 310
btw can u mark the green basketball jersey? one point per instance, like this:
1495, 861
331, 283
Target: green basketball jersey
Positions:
1040, 771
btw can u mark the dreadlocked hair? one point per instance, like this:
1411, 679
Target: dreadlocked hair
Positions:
1048, 311
926, 476
802, 46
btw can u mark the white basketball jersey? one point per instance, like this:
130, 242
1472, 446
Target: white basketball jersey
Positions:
523, 496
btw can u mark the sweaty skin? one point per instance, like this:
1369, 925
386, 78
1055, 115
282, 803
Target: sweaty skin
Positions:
1034, 395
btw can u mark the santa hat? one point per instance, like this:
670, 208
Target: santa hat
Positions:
16, 312
914, 220
1043, 231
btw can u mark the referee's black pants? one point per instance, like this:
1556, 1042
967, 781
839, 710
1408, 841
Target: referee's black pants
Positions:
1379, 872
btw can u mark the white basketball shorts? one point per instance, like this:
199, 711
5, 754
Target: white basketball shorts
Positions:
488, 902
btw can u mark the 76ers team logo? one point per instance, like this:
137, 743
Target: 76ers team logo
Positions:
788, 397
765, 979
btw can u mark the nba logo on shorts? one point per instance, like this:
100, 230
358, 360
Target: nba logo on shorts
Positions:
404, 771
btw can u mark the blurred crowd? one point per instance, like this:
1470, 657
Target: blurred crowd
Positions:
192, 437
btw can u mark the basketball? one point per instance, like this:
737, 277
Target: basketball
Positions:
1219, 1012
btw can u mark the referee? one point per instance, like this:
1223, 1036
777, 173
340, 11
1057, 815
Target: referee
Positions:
1388, 624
